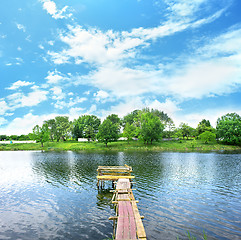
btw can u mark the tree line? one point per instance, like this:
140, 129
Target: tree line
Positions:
147, 125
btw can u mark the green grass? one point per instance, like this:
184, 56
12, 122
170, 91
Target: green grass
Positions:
172, 146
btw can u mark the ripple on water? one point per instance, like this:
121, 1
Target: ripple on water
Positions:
54, 195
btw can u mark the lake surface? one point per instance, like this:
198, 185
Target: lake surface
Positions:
50, 195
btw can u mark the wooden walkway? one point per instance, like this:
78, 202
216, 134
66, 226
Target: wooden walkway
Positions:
129, 222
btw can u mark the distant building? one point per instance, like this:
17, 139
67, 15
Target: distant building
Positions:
13, 141
82, 139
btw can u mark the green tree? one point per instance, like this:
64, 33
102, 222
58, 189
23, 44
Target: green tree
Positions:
169, 128
204, 126
114, 119
164, 118
130, 118
129, 131
186, 130
3, 137
91, 126
229, 128
63, 127
41, 134
86, 126
14, 137
108, 132
78, 128
23, 137
52, 128
207, 136
151, 127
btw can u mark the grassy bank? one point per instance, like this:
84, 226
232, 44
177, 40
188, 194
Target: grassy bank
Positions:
178, 146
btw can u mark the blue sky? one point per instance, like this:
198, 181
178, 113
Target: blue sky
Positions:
75, 57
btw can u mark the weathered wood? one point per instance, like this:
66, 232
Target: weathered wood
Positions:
111, 178
126, 227
129, 223
139, 225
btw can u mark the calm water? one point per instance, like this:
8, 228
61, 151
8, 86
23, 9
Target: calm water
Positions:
54, 195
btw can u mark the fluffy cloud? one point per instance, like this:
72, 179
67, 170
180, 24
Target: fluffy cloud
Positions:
110, 52
133, 103
21, 27
210, 114
2, 121
97, 47
19, 84
3, 107
123, 81
214, 69
18, 100
76, 112
202, 79
101, 96
94, 46
58, 93
51, 8
60, 104
55, 77
25, 124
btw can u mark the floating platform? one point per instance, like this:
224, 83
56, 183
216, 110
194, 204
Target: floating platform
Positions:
127, 223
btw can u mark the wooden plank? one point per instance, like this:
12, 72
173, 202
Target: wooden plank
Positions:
123, 183
113, 177
126, 221
114, 173
114, 168
126, 228
123, 197
139, 225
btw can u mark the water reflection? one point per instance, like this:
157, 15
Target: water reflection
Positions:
54, 195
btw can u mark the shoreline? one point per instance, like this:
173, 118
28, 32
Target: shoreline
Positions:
124, 146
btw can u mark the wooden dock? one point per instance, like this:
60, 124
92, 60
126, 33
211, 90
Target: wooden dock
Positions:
127, 222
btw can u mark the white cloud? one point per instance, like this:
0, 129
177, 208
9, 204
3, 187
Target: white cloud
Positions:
76, 112
21, 27
169, 106
212, 115
101, 96
18, 100
58, 58
133, 103
225, 45
19, 84
87, 93
202, 79
58, 94
185, 8
92, 109
25, 124
51, 8
3, 36
41, 46
214, 69
3, 107
123, 81
55, 77
60, 104
2, 121
110, 51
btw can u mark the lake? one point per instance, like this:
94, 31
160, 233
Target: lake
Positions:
53, 195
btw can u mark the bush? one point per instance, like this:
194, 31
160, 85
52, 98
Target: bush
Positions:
207, 137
